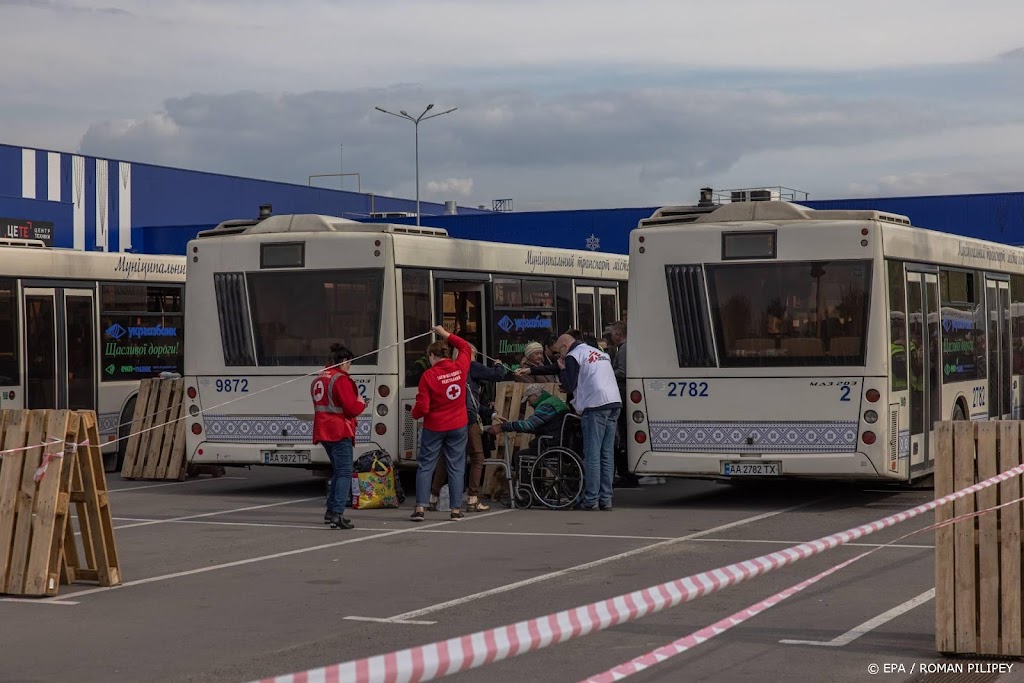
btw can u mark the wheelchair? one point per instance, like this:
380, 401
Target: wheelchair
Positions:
552, 475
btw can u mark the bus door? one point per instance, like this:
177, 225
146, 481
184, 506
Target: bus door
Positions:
1000, 345
596, 309
60, 348
459, 307
925, 366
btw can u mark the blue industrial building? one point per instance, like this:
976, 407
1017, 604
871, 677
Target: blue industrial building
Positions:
82, 202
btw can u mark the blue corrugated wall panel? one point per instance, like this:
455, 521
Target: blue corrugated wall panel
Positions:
995, 217
10, 171
58, 213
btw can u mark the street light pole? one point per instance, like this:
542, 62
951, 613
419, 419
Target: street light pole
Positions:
416, 125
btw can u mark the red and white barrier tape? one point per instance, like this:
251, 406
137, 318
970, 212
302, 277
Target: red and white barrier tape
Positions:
428, 662
686, 643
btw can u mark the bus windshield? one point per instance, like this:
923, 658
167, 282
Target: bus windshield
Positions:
297, 315
790, 314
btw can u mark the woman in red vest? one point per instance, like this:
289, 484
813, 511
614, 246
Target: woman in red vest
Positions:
336, 404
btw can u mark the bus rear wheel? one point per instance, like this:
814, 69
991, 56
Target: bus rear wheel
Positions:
115, 461
958, 413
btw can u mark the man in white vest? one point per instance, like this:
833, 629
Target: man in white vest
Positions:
587, 374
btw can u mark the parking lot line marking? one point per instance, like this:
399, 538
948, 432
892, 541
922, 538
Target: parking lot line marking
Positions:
789, 543
217, 512
210, 514
32, 601
385, 620
263, 558
173, 483
542, 533
870, 625
408, 617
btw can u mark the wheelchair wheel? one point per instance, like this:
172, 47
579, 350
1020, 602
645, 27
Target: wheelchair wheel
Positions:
557, 478
524, 498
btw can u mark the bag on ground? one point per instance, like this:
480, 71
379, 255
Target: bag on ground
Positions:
374, 488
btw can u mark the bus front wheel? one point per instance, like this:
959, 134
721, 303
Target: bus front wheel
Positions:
124, 429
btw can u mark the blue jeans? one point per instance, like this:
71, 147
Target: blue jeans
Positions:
340, 487
454, 444
599, 427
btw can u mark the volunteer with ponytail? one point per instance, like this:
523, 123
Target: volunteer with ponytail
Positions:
441, 402
336, 404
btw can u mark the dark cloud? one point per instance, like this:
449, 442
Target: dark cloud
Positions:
64, 7
654, 135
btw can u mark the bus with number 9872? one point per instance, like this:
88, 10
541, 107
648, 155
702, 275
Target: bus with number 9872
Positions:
268, 298
772, 340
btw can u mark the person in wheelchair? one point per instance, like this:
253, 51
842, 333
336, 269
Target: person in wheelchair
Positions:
548, 413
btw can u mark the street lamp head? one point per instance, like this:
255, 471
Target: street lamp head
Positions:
379, 109
429, 107
403, 112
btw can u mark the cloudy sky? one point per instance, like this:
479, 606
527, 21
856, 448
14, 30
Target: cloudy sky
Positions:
561, 104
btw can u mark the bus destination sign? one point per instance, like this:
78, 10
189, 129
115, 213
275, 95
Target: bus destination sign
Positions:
23, 229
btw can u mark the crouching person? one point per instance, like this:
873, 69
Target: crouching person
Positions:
336, 404
441, 402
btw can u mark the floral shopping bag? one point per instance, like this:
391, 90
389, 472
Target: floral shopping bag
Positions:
375, 488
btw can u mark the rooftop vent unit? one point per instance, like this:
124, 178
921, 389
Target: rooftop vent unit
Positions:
392, 214
765, 195
17, 242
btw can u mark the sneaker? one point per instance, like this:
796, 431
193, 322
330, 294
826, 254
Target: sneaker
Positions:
339, 522
584, 507
606, 507
418, 516
457, 515
432, 505
327, 517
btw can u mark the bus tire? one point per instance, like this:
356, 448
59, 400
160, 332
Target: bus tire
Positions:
959, 414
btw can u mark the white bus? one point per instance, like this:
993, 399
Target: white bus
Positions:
78, 330
772, 340
268, 298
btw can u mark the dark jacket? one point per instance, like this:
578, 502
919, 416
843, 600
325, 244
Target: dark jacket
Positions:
546, 419
478, 372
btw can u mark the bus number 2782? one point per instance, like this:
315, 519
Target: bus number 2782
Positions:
690, 389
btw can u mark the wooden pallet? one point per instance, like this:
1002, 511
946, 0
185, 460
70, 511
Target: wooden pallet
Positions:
508, 405
978, 578
156, 447
37, 486
98, 560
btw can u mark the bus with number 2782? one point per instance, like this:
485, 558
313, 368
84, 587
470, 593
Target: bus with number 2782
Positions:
772, 340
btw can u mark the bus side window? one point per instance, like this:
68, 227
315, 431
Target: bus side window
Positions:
898, 352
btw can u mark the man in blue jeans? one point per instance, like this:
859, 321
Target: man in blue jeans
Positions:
587, 374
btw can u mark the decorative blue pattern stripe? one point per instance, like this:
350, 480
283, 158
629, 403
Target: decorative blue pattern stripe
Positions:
903, 444
270, 429
754, 437
108, 422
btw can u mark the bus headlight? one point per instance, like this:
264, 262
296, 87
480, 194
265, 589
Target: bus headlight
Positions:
871, 417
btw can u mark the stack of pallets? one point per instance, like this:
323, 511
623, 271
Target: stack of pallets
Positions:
52, 460
156, 447
978, 572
